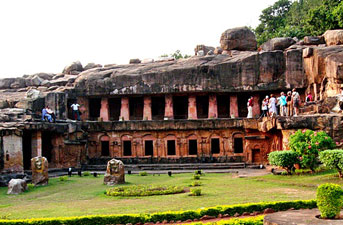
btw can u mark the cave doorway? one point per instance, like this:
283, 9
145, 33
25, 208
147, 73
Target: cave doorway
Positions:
27, 149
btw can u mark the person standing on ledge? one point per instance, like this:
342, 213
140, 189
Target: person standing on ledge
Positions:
296, 101
250, 105
76, 113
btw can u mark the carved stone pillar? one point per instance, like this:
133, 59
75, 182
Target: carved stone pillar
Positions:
84, 107
192, 108
212, 107
147, 108
233, 106
315, 92
124, 110
256, 109
104, 110
168, 111
36, 144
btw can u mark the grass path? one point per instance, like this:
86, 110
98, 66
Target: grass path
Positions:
85, 195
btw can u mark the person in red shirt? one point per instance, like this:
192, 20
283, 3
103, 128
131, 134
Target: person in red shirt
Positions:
309, 97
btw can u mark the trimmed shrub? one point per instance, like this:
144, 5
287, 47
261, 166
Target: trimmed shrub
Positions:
178, 215
143, 190
195, 184
284, 159
329, 200
196, 177
258, 220
195, 192
308, 144
63, 178
333, 159
86, 173
143, 173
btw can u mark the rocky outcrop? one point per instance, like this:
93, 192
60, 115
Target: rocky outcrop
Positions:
241, 38
16, 186
334, 37
277, 44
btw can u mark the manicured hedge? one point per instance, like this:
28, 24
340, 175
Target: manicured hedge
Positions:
175, 215
330, 200
236, 221
144, 190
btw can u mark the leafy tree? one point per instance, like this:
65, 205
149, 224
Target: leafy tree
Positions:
299, 18
177, 55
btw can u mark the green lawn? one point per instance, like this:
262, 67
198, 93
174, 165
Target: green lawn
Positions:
85, 195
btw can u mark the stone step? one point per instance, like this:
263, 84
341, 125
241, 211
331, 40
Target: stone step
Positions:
195, 166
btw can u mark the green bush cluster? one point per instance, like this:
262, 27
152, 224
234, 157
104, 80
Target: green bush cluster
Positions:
196, 177
143, 173
333, 159
144, 190
258, 220
329, 200
307, 144
284, 159
178, 215
63, 178
195, 192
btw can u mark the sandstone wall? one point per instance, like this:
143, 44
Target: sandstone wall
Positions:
13, 155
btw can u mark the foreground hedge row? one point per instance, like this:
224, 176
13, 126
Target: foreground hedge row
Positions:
175, 215
245, 221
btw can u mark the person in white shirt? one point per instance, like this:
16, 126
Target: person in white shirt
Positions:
76, 113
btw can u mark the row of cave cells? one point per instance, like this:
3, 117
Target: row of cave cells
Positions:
171, 145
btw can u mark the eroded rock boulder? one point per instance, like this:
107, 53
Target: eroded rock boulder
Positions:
205, 48
277, 44
314, 40
240, 38
115, 173
74, 68
333, 37
91, 66
6, 83
16, 186
135, 61
39, 167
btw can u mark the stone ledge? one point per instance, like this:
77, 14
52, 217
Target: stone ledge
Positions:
303, 217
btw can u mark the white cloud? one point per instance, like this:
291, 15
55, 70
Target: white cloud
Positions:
46, 35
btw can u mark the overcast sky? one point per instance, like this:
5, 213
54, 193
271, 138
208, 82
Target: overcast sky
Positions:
46, 35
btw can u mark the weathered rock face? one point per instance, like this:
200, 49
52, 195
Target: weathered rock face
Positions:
73, 69
115, 173
324, 68
240, 71
277, 44
16, 186
333, 37
39, 167
241, 38
314, 40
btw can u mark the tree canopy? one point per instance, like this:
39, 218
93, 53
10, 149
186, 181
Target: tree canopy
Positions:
299, 18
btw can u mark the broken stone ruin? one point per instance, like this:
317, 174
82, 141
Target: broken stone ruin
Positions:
115, 173
39, 167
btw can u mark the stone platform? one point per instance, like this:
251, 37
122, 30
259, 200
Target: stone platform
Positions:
298, 217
